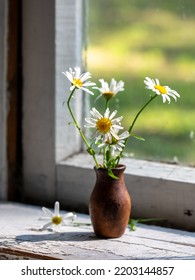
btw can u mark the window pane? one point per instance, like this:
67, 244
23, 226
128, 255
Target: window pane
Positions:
132, 39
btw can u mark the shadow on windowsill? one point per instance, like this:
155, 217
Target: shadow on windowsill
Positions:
61, 236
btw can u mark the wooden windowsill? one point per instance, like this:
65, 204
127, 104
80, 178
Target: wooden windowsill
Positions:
157, 190
21, 237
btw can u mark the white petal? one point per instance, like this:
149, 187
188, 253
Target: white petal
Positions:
124, 135
45, 218
95, 114
96, 135
102, 145
113, 85
91, 121
171, 94
175, 92
85, 76
87, 84
172, 91
72, 87
87, 90
96, 88
89, 126
147, 81
56, 228
166, 97
107, 112
47, 225
113, 114
157, 82
157, 91
118, 147
114, 134
69, 216
117, 126
117, 120
104, 85
47, 211
69, 76
77, 72
57, 208
120, 86
108, 137
121, 144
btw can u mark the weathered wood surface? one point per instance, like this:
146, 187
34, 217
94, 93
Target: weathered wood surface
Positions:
21, 237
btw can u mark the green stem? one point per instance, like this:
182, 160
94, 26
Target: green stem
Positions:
147, 103
105, 159
133, 123
89, 149
105, 153
107, 100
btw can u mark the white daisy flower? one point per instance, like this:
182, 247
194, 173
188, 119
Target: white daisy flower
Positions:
78, 80
108, 91
105, 125
164, 91
116, 144
55, 220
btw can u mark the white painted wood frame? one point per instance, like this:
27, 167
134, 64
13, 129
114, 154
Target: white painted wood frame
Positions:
52, 42
3, 97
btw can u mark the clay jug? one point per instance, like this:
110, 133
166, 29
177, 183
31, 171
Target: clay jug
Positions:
110, 203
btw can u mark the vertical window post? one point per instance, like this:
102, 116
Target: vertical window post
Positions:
52, 42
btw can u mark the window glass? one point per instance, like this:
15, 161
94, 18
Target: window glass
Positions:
132, 39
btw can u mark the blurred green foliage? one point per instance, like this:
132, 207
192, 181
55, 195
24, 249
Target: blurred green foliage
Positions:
131, 39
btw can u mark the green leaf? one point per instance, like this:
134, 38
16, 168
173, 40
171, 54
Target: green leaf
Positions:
91, 151
150, 220
111, 174
134, 222
71, 123
138, 137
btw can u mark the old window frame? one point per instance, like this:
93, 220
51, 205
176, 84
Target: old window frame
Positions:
54, 165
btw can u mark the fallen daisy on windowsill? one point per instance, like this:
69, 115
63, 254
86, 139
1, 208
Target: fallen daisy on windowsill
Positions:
55, 220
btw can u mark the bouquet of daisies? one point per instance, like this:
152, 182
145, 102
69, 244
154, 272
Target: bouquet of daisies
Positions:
108, 137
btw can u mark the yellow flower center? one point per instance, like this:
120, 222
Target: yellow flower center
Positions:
161, 89
103, 125
108, 94
56, 220
77, 83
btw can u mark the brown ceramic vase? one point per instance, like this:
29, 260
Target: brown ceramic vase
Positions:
110, 204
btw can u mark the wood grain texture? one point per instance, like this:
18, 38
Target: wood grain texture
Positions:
21, 237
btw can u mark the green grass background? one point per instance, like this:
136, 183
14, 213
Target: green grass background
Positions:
132, 39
